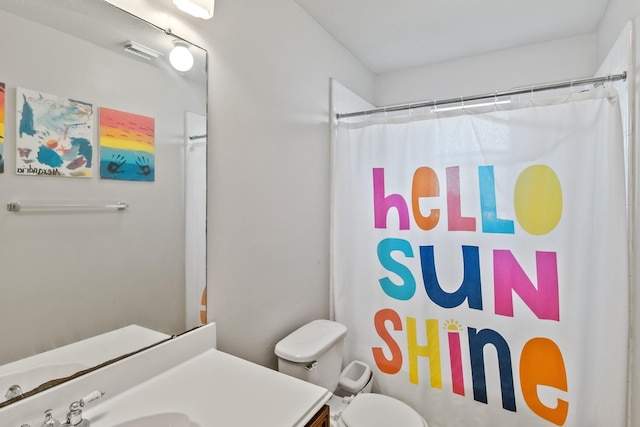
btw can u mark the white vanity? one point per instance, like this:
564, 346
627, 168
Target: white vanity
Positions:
182, 382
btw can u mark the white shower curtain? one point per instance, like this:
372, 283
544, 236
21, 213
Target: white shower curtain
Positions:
479, 260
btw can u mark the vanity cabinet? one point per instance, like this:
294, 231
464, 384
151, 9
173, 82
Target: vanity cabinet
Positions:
321, 418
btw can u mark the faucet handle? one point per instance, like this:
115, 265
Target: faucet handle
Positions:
74, 416
13, 391
91, 397
49, 421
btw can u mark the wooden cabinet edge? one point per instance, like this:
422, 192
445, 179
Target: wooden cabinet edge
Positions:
321, 418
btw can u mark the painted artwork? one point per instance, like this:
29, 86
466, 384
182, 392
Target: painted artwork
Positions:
54, 135
2, 86
127, 146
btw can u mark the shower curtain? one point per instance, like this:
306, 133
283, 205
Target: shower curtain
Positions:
480, 261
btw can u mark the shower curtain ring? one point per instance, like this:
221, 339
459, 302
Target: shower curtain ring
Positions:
571, 91
531, 96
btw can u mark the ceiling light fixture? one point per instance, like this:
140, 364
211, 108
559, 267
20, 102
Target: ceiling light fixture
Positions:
180, 57
198, 8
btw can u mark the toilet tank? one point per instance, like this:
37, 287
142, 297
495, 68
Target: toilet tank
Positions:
313, 353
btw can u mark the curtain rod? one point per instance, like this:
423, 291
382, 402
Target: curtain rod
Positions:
512, 92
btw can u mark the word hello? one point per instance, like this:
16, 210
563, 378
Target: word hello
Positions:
537, 201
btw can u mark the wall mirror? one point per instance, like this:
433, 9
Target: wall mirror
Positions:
69, 275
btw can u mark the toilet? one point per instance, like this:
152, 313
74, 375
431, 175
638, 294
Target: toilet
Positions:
313, 353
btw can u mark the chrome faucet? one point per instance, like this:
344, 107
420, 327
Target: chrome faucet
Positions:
14, 391
49, 421
74, 416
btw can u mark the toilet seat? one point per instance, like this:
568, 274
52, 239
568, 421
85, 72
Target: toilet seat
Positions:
378, 410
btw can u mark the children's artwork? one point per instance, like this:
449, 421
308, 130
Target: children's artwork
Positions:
127, 146
54, 135
1, 127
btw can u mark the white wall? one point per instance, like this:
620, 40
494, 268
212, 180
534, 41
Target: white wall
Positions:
618, 14
269, 170
268, 206
71, 276
500, 70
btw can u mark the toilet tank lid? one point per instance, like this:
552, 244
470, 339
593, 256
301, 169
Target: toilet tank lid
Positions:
308, 342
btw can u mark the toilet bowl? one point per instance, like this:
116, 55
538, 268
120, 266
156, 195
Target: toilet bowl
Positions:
377, 410
313, 353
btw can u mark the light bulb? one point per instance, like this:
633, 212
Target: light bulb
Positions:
180, 57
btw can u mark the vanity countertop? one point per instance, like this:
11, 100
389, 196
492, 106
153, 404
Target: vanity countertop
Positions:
185, 376
64, 361
217, 389
91, 351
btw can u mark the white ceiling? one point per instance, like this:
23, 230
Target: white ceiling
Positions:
388, 35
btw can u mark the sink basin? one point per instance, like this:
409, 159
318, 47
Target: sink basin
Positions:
32, 378
167, 419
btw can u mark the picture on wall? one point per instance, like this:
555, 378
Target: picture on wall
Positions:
54, 135
127, 146
2, 127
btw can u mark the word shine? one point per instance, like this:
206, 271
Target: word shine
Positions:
541, 362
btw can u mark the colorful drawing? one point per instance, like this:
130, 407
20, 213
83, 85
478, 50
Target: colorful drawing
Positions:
54, 135
1, 127
127, 146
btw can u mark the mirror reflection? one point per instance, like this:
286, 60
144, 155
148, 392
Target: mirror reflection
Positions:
126, 277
